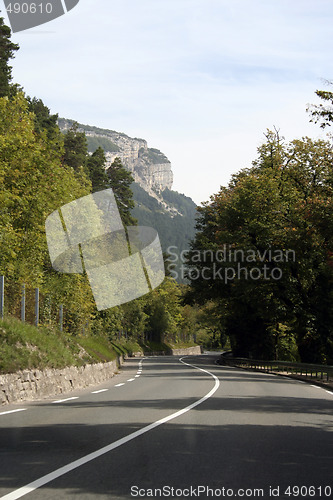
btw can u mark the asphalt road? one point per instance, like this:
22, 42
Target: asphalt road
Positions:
212, 432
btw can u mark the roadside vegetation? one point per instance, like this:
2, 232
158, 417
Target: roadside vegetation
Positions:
25, 347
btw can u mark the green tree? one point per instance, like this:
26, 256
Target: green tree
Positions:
322, 113
96, 168
120, 180
44, 121
7, 51
163, 308
32, 185
284, 202
134, 320
76, 149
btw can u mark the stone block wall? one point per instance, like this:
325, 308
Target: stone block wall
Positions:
28, 385
189, 351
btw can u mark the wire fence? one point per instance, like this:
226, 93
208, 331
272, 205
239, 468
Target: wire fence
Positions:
28, 304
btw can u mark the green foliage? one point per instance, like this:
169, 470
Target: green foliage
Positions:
175, 231
134, 319
127, 347
43, 119
283, 203
153, 156
98, 348
23, 346
190, 323
151, 346
76, 149
34, 184
182, 203
120, 181
321, 113
7, 51
163, 308
96, 168
103, 142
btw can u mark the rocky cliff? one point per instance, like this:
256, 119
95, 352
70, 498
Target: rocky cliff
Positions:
150, 168
172, 214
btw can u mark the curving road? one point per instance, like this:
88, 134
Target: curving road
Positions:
170, 427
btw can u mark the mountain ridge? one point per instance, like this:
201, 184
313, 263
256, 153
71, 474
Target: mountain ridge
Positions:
171, 213
150, 168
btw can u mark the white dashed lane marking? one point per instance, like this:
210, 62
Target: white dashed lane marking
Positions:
64, 400
12, 411
77, 397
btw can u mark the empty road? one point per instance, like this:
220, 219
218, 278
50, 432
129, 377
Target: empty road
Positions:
172, 427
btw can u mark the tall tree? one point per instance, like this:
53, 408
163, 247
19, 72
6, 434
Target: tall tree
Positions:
120, 180
43, 118
76, 148
96, 168
7, 51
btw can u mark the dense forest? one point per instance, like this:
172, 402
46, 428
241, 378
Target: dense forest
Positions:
175, 231
263, 252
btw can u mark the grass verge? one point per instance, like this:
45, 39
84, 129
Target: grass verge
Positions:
25, 347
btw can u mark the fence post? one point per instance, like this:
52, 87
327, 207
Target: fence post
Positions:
2, 295
61, 317
23, 303
36, 306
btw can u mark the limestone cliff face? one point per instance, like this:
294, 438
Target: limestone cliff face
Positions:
150, 168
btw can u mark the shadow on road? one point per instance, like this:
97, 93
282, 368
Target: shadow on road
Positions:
233, 456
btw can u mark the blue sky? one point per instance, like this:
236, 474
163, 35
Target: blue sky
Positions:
201, 80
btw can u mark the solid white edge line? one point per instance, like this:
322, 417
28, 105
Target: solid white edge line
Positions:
14, 495
12, 411
64, 400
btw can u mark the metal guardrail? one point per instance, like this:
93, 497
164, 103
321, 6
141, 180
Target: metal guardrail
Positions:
322, 372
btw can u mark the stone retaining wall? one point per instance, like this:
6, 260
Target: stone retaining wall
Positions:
189, 351
35, 384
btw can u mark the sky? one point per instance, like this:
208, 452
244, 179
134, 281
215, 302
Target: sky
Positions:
201, 80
